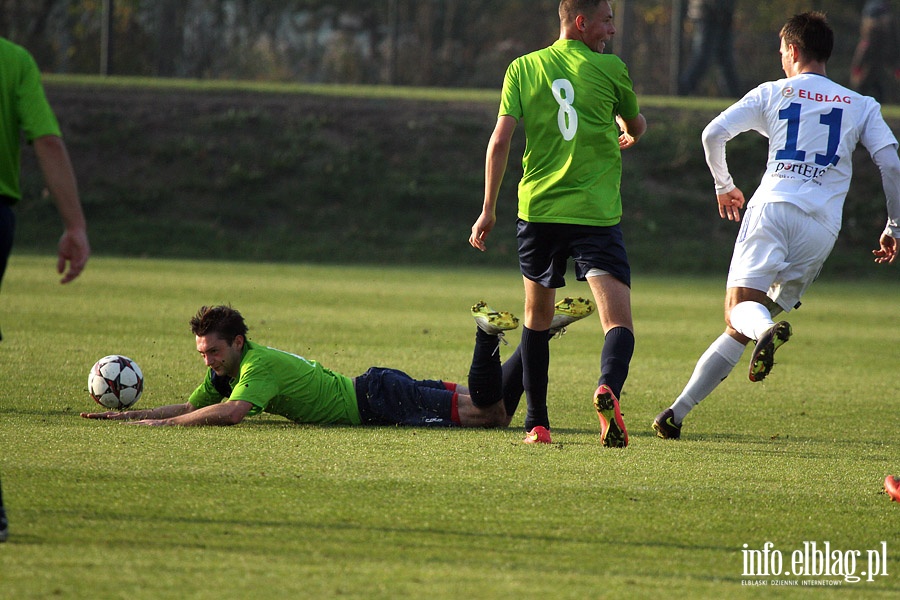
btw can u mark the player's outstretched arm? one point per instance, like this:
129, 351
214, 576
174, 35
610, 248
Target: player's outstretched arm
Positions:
160, 412
230, 412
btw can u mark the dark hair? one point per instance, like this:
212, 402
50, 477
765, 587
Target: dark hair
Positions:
569, 9
222, 320
811, 33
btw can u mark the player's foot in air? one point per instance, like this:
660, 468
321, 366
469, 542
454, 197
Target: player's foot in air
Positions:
612, 427
493, 322
567, 311
892, 487
538, 435
665, 426
763, 358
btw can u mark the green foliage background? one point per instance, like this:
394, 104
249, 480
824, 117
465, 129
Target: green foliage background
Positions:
371, 175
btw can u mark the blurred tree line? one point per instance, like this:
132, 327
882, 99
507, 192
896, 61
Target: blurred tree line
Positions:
459, 43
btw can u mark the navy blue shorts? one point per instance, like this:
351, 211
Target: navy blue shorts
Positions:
391, 397
544, 250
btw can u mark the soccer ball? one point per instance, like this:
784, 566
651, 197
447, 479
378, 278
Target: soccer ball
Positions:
115, 381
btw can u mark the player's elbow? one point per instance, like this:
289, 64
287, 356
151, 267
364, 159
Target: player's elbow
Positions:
236, 411
708, 135
889, 164
498, 148
49, 147
233, 419
636, 127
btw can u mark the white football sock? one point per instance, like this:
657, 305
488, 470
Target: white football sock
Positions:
712, 368
751, 319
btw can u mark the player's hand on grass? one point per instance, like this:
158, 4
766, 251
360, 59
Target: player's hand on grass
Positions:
887, 251
116, 415
730, 204
151, 422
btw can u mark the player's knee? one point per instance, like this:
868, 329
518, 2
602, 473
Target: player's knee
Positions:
499, 416
494, 415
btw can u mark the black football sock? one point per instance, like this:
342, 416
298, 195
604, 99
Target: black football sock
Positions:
486, 374
615, 359
535, 347
513, 388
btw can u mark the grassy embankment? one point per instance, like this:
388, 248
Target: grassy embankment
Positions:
368, 175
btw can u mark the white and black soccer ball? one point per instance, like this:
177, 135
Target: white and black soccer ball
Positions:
115, 381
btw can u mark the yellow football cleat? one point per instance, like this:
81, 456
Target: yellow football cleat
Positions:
567, 311
491, 321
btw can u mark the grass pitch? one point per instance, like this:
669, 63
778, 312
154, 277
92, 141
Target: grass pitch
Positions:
269, 509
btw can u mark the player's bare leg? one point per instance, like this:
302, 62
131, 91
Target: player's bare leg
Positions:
471, 415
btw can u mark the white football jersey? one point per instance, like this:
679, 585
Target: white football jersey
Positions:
813, 125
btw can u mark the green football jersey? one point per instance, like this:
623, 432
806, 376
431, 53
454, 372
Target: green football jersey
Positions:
568, 97
23, 108
288, 385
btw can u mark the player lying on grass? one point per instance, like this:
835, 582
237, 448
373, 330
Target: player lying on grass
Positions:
245, 379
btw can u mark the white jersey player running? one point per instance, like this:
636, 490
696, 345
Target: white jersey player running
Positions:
793, 219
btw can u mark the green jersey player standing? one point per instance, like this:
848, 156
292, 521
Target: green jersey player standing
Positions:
579, 111
25, 112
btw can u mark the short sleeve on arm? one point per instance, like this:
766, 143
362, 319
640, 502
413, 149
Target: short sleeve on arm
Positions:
628, 103
37, 118
206, 393
256, 386
510, 98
